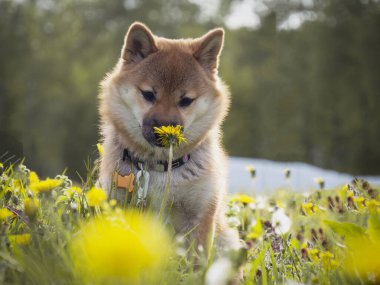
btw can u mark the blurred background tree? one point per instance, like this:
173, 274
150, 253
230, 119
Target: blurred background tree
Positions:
305, 78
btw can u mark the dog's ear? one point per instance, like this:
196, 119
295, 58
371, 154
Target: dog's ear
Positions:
208, 48
138, 44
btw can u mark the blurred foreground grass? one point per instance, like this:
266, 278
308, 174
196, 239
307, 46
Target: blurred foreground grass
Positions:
54, 232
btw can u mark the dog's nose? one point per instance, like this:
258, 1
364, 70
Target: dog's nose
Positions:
148, 129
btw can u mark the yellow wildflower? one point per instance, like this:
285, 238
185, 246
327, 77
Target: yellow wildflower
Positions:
95, 196
170, 135
372, 205
1, 165
345, 191
33, 177
45, 186
327, 260
309, 208
22, 239
5, 213
256, 231
359, 203
31, 206
251, 171
313, 254
72, 191
17, 184
100, 149
320, 181
113, 202
242, 198
121, 247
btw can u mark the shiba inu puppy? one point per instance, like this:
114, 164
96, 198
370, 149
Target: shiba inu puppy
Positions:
159, 82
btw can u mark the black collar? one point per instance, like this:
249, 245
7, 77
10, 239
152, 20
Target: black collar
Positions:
161, 166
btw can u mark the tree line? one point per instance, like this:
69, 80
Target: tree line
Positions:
309, 94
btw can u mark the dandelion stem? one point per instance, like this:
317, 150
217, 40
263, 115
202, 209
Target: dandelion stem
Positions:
167, 184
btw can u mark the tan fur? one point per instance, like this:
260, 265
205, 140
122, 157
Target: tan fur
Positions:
171, 68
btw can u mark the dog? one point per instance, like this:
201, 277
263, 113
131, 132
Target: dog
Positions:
160, 82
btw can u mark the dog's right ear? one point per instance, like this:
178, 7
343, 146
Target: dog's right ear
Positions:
138, 44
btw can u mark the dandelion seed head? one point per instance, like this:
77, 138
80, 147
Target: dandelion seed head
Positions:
281, 221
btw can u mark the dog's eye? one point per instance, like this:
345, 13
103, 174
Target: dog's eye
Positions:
186, 101
148, 96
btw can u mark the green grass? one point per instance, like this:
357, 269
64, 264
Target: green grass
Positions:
326, 237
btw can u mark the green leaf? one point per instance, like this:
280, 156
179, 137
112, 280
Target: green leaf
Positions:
274, 263
61, 199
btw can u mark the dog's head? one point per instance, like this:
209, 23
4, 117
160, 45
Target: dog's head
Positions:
160, 82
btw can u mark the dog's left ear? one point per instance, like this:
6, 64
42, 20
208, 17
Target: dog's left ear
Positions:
208, 48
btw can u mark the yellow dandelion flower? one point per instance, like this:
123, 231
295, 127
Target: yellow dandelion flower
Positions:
256, 231
95, 196
22, 239
170, 135
113, 203
309, 208
372, 205
251, 170
5, 213
17, 183
313, 254
359, 203
121, 247
1, 165
31, 206
327, 260
320, 181
45, 186
33, 177
242, 198
100, 149
72, 191
344, 191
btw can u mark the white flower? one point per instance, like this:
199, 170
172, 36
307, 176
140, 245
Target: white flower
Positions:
181, 252
233, 222
281, 221
261, 202
233, 210
219, 272
74, 205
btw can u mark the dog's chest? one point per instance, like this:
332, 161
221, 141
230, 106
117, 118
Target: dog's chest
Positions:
191, 194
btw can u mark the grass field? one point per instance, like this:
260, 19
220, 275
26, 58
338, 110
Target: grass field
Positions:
54, 232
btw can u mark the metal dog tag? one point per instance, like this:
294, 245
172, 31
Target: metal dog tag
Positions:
142, 182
